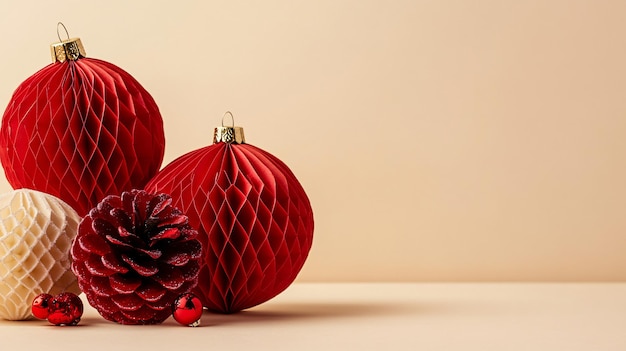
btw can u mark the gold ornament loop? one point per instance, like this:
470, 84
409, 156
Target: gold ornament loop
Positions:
60, 24
232, 118
229, 134
69, 49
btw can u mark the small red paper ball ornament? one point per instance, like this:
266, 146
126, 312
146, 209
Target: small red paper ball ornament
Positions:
187, 310
253, 216
80, 129
40, 306
65, 309
133, 255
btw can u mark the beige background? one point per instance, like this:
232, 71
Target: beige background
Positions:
437, 140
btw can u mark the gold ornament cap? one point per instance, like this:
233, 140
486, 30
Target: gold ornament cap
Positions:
231, 135
68, 49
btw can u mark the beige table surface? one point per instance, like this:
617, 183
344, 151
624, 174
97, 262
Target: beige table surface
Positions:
438, 316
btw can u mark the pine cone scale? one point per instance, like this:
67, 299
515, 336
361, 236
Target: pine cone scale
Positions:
150, 292
170, 278
145, 269
115, 241
122, 284
94, 266
127, 302
94, 244
101, 286
167, 233
111, 261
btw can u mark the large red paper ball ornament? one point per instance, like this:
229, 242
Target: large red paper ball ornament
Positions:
81, 129
254, 219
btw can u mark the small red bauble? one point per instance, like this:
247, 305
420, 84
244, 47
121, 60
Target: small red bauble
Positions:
187, 310
65, 309
81, 129
133, 255
254, 219
40, 306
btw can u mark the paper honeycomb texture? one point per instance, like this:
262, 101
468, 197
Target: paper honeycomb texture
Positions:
254, 220
36, 231
81, 130
134, 255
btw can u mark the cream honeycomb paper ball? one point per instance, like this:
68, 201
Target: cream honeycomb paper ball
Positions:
36, 232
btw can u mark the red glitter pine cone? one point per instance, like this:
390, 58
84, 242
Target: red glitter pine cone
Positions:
133, 255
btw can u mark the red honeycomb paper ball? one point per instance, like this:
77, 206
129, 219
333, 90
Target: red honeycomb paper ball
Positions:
81, 130
133, 255
253, 216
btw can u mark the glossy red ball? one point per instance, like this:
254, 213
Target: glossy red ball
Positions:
65, 309
40, 306
187, 309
